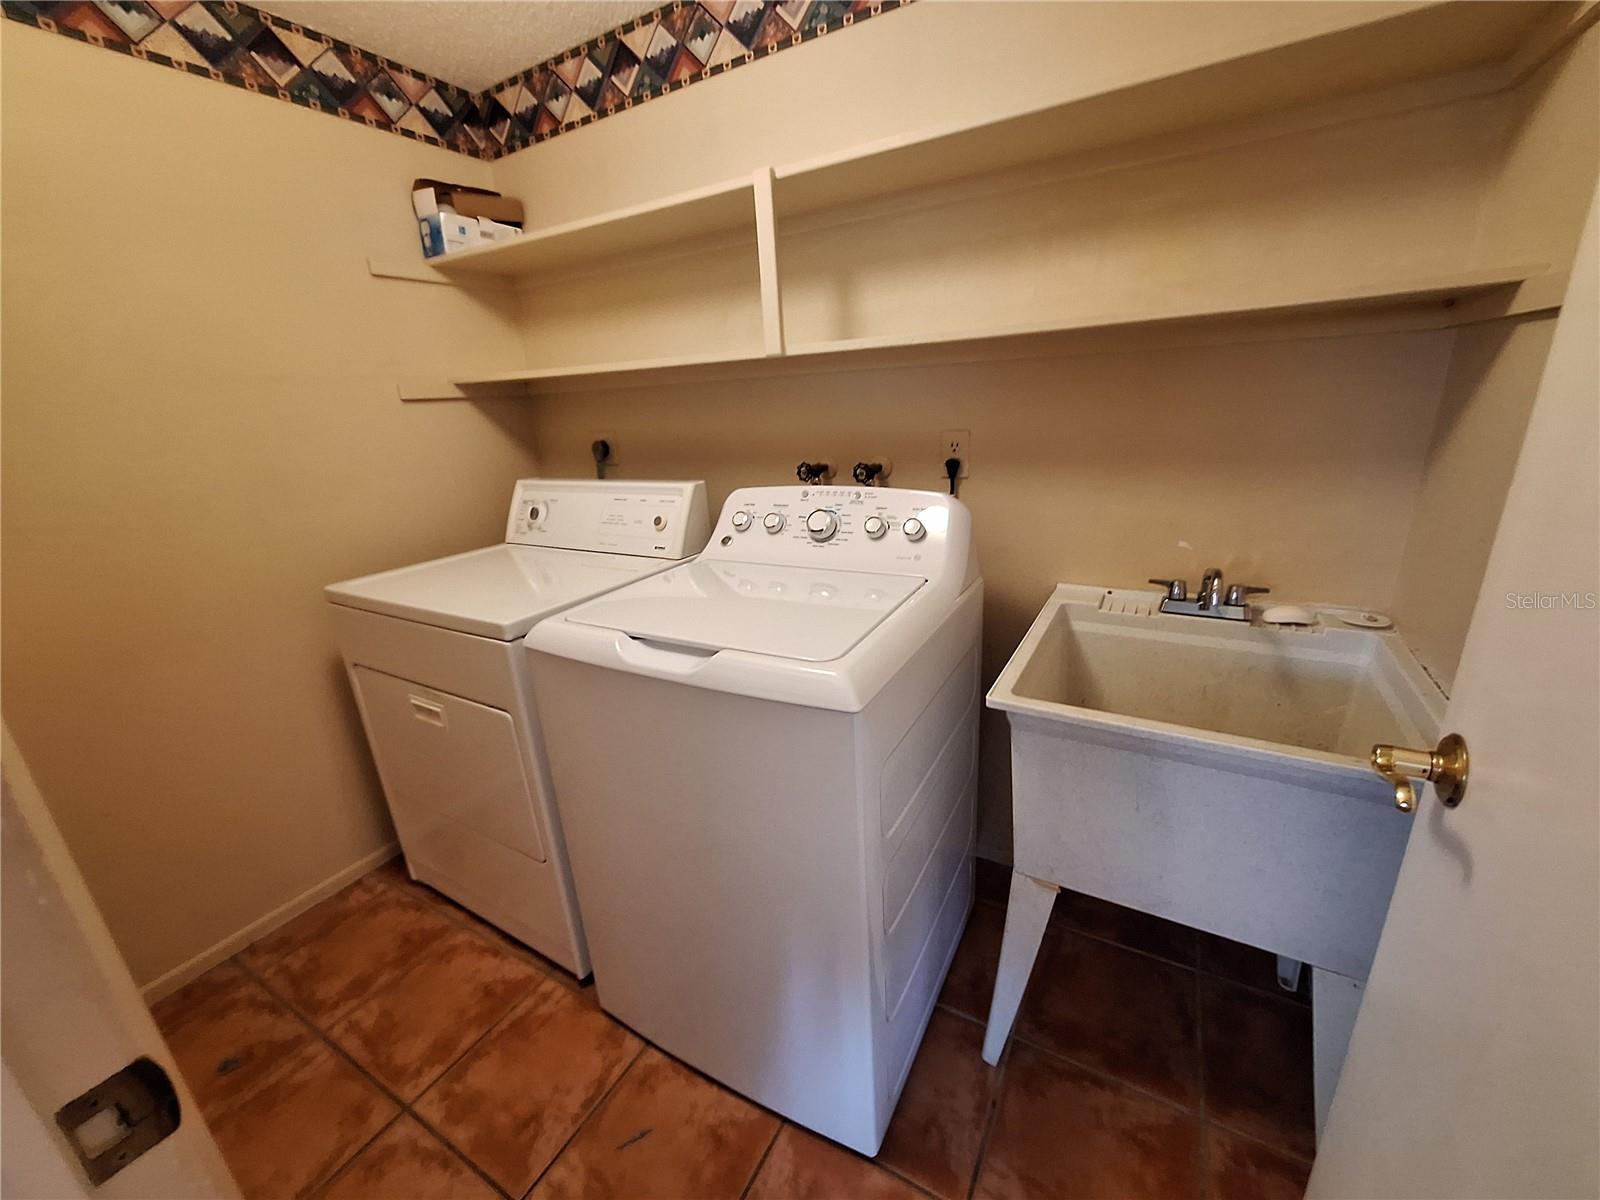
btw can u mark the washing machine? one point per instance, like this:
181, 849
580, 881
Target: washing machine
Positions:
434, 653
765, 761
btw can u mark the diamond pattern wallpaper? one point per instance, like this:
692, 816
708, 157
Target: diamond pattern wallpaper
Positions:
663, 51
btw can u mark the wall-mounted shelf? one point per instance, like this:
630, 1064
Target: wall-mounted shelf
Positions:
1418, 48
1432, 302
1420, 44
722, 207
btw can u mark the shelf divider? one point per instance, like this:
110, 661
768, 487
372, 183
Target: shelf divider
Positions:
767, 261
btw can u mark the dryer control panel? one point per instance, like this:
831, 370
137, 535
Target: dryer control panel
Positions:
655, 519
886, 530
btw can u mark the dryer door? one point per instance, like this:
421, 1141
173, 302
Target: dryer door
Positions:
447, 762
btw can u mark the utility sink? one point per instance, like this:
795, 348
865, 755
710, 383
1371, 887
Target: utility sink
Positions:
1215, 772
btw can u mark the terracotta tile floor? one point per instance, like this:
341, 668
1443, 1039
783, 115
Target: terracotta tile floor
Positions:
388, 1044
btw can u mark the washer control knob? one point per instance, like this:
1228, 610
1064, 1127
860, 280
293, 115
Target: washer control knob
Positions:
875, 527
822, 524
742, 520
914, 529
772, 522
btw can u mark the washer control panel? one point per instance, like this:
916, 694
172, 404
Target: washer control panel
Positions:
652, 519
849, 528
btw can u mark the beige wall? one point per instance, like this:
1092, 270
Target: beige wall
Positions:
1102, 469
1548, 143
1494, 374
200, 430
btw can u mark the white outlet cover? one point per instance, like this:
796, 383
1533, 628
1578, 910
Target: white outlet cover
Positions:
957, 443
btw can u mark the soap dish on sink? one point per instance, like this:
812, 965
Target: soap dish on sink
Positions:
1366, 620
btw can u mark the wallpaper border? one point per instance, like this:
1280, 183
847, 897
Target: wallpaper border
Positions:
665, 50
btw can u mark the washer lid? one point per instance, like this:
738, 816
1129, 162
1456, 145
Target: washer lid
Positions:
784, 612
497, 592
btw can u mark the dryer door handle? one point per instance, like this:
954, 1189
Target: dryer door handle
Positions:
427, 710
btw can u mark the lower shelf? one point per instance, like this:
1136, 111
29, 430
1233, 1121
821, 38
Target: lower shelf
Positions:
1419, 303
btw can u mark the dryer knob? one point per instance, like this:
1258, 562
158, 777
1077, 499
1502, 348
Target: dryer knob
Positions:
914, 529
875, 527
742, 520
772, 522
822, 524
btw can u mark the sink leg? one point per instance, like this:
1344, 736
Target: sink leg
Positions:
1026, 916
1289, 973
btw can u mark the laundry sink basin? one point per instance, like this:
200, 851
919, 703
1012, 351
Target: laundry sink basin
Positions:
1214, 772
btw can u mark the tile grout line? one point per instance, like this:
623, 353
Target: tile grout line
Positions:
494, 1025
406, 1107
762, 1161
1150, 1095
992, 1111
997, 1086
459, 916
344, 1054
321, 1186
1101, 1073
1017, 1035
1117, 1079
584, 1120
1063, 927
460, 1153
1255, 1140
893, 1172
886, 1168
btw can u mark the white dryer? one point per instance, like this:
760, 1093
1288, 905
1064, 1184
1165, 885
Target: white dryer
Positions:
435, 656
766, 761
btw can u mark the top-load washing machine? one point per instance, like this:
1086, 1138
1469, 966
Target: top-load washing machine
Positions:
434, 652
765, 761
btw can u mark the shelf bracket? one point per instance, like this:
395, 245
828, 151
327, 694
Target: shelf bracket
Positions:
441, 389
767, 260
406, 266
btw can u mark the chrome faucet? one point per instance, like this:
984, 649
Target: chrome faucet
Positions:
1231, 603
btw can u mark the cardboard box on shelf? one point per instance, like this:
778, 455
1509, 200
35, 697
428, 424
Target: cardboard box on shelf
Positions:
494, 231
445, 233
429, 196
506, 210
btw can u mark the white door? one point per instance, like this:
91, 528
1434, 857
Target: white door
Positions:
70, 1018
1474, 1069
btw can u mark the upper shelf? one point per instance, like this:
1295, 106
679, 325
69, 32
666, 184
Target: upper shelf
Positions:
714, 209
1425, 42
1419, 43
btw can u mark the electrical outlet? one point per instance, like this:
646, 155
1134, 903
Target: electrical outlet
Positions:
956, 443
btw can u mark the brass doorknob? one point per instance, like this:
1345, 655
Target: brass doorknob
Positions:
1445, 767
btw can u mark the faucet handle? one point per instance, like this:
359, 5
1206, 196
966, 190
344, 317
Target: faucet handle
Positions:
1238, 591
1177, 589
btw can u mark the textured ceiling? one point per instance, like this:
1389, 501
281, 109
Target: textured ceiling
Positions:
470, 43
